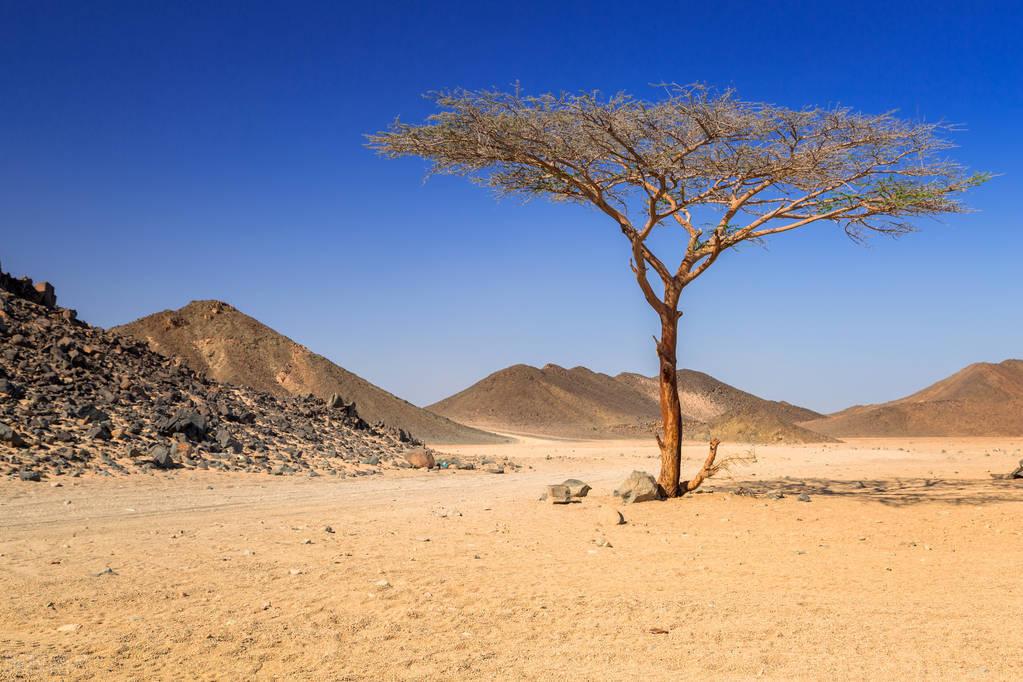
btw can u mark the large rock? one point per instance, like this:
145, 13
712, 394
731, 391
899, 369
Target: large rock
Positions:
10, 436
91, 414
557, 494
161, 457
638, 487
99, 432
576, 488
29, 475
10, 389
1018, 472
40, 293
420, 458
188, 422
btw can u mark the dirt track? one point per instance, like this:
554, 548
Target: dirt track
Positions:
913, 574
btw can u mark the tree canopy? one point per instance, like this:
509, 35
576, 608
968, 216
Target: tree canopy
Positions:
764, 169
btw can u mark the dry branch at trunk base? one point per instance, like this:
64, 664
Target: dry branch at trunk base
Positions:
712, 467
707, 470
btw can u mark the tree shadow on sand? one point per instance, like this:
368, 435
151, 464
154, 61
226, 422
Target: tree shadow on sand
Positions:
893, 492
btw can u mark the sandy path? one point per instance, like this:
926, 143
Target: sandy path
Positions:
914, 574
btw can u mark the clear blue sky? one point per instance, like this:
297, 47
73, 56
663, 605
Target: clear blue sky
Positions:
154, 153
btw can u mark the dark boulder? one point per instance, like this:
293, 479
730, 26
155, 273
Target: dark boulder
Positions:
190, 423
161, 457
29, 475
91, 414
11, 437
10, 389
99, 432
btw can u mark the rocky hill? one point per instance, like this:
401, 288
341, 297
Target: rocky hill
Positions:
581, 403
983, 399
76, 399
232, 347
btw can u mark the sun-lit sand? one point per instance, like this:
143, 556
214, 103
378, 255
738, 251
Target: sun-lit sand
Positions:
905, 563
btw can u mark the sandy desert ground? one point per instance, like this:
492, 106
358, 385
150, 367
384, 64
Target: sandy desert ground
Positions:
905, 563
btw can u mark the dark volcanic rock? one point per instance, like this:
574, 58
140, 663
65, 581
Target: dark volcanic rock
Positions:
91, 414
187, 422
99, 432
161, 457
9, 436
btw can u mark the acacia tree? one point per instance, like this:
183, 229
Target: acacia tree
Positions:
720, 170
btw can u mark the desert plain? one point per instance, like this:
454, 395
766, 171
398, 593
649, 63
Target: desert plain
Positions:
904, 563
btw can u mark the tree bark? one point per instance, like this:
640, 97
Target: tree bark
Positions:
671, 410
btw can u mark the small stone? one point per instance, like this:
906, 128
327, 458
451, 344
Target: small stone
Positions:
493, 468
803, 497
328, 529
29, 475
382, 584
70, 627
611, 517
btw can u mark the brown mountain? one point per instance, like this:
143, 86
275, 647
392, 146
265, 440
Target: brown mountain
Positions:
579, 402
984, 399
229, 346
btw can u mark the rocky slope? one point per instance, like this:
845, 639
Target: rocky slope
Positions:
232, 347
579, 402
76, 399
983, 399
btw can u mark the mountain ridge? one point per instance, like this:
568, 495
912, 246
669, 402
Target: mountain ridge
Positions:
982, 399
579, 402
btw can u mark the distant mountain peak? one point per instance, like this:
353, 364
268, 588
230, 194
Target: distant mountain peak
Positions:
982, 399
216, 338
580, 402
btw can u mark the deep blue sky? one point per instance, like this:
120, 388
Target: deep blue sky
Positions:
154, 153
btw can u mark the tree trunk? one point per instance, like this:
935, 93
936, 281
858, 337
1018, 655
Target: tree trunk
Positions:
671, 409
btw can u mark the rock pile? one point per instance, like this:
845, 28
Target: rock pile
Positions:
76, 399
